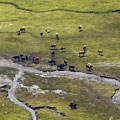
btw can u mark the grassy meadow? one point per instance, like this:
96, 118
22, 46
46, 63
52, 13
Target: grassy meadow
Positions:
9, 110
93, 98
101, 30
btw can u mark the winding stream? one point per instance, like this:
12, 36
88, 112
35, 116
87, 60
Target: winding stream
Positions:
61, 9
11, 93
68, 74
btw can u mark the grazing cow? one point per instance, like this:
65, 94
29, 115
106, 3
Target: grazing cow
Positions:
80, 28
89, 67
18, 32
73, 105
41, 33
52, 62
3, 86
35, 60
52, 54
47, 30
62, 48
54, 45
57, 36
82, 53
21, 55
65, 62
100, 52
23, 59
71, 68
62, 114
84, 48
16, 58
60, 67
26, 57
22, 29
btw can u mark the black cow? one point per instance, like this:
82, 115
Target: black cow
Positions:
26, 57
71, 68
22, 30
84, 48
73, 105
60, 67
65, 62
18, 32
52, 62
21, 55
23, 59
41, 33
54, 45
62, 48
52, 54
80, 28
57, 36
16, 58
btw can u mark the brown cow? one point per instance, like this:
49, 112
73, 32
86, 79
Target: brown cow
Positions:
35, 60
82, 53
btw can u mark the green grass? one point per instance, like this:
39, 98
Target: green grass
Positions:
47, 114
93, 98
100, 31
44, 5
10, 111
9, 72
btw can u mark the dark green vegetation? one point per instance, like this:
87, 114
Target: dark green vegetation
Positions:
93, 98
100, 31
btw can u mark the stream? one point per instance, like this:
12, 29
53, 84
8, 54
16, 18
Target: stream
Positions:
72, 75
11, 93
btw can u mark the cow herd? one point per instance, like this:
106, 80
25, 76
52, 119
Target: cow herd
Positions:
21, 30
24, 58
35, 60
